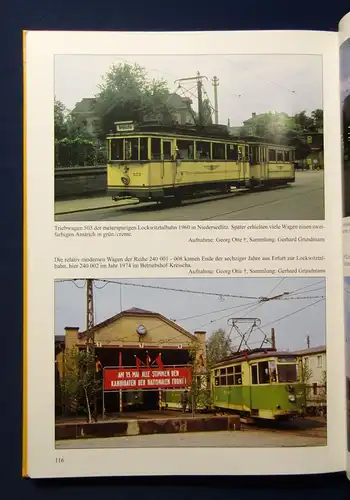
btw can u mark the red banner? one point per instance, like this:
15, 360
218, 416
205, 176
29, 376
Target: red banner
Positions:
131, 379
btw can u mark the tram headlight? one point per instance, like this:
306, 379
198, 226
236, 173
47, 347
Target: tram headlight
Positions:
291, 398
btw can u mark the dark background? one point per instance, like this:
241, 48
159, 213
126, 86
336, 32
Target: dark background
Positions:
134, 15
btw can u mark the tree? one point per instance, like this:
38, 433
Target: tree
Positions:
305, 376
60, 118
79, 382
219, 346
201, 362
127, 93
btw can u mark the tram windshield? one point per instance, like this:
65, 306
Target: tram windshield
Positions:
131, 149
287, 372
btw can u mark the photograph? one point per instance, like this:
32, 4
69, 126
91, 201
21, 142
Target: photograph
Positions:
180, 362
345, 110
347, 344
188, 137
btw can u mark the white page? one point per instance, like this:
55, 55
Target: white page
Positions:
42, 459
344, 44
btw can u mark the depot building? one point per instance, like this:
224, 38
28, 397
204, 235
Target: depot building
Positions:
141, 353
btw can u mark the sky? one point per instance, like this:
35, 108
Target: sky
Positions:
345, 69
206, 312
247, 83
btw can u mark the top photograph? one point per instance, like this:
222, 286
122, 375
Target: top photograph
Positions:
161, 138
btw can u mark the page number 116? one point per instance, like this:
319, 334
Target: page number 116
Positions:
59, 460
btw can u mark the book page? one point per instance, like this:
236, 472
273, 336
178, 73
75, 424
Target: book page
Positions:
183, 303
344, 65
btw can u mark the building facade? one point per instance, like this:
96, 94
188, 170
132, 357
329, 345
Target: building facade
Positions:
134, 339
314, 366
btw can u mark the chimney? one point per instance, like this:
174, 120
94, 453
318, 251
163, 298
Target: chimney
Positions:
71, 336
228, 123
202, 351
253, 115
273, 338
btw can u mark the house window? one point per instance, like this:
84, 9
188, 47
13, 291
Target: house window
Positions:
319, 361
314, 389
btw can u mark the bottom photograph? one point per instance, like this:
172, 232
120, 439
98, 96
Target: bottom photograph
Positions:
183, 362
347, 343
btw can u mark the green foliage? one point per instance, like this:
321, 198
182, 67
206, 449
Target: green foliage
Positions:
79, 383
217, 348
282, 128
78, 152
127, 93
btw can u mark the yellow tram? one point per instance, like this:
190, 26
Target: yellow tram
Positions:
156, 163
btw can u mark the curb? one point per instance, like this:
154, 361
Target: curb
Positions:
145, 427
84, 210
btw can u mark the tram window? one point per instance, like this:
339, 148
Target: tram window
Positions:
238, 375
155, 149
218, 151
117, 149
223, 380
287, 373
186, 150
254, 156
272, 155
230, 379
232, 152
255, 379
217, 380
279, 156
166, 150
286, 156
273, 372
132, 149
143, 148
202, 150
264, 375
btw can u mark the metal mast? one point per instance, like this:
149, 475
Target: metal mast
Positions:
216, 105
198, 78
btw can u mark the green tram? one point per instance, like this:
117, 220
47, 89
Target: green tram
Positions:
259, 384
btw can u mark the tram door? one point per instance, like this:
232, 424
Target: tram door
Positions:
263, 163
165, 163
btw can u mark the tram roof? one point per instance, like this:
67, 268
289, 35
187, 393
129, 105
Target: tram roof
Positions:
211, 133
254, 355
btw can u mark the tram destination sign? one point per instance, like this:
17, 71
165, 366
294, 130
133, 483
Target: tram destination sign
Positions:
131, 379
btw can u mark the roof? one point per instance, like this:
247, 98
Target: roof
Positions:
136, 311
254, 355
311, 350
86, 105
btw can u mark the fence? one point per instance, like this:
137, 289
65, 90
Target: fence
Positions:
79, 153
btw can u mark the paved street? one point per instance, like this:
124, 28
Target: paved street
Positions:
294, 433
302, 200
238, 439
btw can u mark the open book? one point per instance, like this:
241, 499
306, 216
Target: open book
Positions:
185, 200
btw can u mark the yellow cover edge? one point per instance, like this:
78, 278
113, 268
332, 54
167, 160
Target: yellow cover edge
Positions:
25, 346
